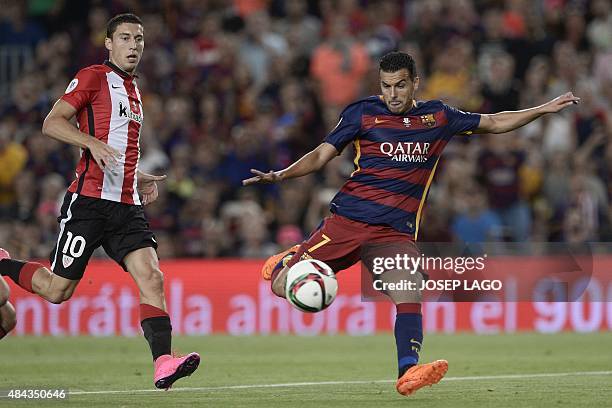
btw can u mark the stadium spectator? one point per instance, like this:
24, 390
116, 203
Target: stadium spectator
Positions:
13, 157
339, 64
500, 166
476, 223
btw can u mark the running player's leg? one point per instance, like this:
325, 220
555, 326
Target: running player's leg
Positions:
336, 242
408, 328
143, 265
133, 246
36, 278
80, 234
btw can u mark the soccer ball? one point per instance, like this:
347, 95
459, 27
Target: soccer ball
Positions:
311, 286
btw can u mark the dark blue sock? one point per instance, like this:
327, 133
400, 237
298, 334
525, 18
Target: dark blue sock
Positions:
408, 335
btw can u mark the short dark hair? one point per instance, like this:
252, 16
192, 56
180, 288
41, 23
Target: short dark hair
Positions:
114, 22
394, 61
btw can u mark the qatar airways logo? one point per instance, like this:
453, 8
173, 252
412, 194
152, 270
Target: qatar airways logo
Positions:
411, 152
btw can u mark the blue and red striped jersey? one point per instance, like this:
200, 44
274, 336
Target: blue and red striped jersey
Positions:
395, 159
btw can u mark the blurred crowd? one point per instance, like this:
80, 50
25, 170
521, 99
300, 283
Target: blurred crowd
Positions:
232, 85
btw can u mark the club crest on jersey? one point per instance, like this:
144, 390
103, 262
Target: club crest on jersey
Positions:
124, 111
428, 120
72, 85
407, 122
67, 261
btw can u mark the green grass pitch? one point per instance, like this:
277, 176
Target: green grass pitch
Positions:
485, 371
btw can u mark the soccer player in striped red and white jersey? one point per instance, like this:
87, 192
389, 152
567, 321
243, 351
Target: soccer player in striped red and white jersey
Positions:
104, 204
397, 143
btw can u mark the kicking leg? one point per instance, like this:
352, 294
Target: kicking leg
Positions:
143, 265
276, 267
275, 261
336, 242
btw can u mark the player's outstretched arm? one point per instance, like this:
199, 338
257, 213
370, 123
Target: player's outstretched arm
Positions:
57, 125
309, 163
506, 121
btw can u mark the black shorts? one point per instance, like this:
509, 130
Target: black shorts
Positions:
86, 223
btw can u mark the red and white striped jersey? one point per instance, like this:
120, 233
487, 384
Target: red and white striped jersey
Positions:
109, 108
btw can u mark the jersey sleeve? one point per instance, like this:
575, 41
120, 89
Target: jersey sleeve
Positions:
82, 89
348, 127
460, 122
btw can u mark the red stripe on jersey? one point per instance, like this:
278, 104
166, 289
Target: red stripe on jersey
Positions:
409, 122
370, 148
413, 176
437, 147
132, 150
380, 196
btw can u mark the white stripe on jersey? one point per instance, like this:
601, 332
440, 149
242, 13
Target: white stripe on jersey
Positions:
117, 137
136, 197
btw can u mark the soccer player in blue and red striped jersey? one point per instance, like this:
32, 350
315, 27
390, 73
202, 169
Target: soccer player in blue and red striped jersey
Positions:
397, 144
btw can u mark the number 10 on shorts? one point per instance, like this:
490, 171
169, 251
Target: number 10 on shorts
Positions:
73, 248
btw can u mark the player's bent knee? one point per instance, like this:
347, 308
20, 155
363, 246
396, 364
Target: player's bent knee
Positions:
55, 297
403, 295
67, 294
5, 292
58, 296
8, 317
4, 297
54, 288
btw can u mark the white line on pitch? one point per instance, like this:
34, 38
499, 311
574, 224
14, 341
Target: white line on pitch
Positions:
357, 382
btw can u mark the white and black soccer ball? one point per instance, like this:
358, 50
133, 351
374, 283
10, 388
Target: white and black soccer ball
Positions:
311, 285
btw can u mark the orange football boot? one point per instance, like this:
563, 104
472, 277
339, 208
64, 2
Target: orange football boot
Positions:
420, 375
273, 261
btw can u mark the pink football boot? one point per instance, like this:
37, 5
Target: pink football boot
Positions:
168, 368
